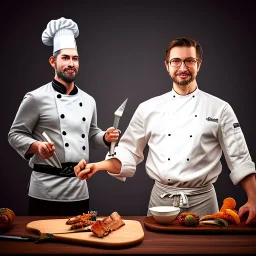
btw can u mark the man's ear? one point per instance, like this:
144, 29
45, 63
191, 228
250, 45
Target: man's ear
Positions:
52, 61
166, 66
199, 65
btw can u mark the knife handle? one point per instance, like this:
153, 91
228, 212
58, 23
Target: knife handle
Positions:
112, 148
44, 237
113, 144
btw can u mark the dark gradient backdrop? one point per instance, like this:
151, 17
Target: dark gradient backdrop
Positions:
122, 47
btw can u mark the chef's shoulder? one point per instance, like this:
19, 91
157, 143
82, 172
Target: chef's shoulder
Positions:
86, 97
214, 100
154, 103
39, 93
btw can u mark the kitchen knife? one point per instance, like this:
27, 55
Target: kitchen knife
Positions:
55, 160
49, 237
44, 237
117, 114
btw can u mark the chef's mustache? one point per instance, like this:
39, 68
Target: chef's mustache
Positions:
70, 68
183, 73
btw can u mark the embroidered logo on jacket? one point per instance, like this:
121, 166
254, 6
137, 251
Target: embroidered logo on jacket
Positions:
212, 119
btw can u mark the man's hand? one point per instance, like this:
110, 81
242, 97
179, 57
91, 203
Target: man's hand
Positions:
249, 185
249, 209
112, 134
45, 149
84, 171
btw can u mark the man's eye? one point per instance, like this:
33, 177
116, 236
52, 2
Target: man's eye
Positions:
190, 60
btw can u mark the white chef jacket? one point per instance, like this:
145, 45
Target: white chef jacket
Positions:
70, 121
186, 135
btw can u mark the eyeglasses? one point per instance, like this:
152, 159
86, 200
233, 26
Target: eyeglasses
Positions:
189, 62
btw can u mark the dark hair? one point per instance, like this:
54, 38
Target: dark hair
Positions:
183, 41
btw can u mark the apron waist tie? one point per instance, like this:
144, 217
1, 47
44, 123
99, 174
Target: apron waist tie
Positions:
179, 195
180, 199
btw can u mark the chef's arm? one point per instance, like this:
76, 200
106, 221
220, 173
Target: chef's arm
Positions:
85, 171
20, 135
112, 165
249, 185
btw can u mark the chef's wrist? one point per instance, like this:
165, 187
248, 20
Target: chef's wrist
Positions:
33, 149
106, 142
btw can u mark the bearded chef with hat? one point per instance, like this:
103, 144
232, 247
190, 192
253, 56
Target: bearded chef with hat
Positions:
53, 128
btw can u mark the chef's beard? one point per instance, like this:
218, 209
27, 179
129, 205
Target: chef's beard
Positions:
183, 82
66, 78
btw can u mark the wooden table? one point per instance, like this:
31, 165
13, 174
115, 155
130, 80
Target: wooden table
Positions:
153, 243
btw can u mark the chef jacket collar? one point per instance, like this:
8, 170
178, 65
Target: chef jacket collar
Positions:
59, 87
175, 95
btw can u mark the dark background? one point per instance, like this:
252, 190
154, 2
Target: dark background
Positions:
122, 47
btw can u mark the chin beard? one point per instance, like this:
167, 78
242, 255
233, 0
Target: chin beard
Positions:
65, 78
183, 82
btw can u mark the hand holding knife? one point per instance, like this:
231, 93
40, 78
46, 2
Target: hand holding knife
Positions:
118, 114
55, 160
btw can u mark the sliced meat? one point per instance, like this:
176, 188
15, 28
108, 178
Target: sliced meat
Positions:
81, 218
108, 224
82, 224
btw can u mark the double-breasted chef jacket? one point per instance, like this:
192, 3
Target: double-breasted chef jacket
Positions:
186, 135
70, 121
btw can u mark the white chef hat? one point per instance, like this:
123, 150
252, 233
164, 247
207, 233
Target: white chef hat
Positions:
61, 34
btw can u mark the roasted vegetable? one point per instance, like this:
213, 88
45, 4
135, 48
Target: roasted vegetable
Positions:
229, 215
220, 222
227, 212
7, 218
188, 219
228, 203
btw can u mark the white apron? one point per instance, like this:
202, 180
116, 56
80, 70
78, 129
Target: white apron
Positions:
201, 200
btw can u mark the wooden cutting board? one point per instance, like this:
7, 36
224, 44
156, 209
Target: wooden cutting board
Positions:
175, 227
128, 235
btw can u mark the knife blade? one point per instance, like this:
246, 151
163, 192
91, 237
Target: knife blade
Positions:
55, 161
117, 115
19, 238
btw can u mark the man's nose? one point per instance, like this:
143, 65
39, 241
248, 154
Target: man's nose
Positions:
183, 66
71, 64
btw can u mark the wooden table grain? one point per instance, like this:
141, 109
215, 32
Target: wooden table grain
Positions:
153, 243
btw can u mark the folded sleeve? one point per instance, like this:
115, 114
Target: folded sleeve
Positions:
234, 146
